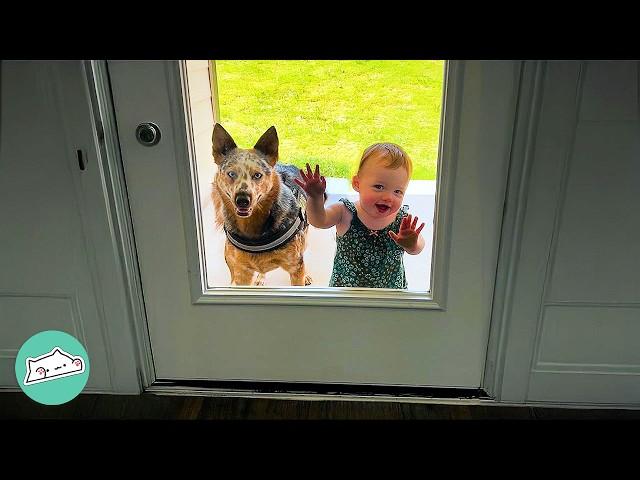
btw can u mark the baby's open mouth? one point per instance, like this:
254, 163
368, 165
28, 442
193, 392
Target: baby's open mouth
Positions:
383, 208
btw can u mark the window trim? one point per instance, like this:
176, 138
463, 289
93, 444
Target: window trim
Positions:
435, 299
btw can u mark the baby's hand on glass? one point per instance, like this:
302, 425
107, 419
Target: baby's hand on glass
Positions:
312, 182
408, 235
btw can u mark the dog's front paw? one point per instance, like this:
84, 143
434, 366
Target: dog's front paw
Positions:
307, 280
259, 280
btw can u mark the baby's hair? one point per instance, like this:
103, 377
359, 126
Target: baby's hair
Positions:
393, 154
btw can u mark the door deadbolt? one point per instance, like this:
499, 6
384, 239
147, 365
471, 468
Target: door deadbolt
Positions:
148, 134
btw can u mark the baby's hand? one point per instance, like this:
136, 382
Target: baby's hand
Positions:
312, 183
408, 235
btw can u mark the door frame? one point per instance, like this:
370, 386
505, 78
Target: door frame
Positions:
116, 192
522, 152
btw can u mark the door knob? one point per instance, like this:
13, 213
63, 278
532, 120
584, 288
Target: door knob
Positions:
148, 134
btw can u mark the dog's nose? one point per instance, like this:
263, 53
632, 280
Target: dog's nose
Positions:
243, 201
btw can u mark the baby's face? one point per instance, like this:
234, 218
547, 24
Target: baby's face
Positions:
381, 188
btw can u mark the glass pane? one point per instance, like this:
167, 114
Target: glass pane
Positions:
325, 113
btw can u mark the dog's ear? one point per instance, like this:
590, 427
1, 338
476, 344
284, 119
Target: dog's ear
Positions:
268, 144
222, 143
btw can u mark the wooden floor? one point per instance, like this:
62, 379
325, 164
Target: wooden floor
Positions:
16, 405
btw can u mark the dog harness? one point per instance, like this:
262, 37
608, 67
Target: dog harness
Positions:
271, 242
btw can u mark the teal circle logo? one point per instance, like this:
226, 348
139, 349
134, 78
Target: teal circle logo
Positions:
52, 367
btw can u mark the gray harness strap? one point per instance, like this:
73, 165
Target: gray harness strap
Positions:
271, 243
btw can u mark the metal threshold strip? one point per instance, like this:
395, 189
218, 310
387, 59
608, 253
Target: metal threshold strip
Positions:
320, 391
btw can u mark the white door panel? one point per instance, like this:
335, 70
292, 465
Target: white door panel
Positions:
60, 264
45, 272
575, 322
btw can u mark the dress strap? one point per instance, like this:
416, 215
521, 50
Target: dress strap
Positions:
350, 205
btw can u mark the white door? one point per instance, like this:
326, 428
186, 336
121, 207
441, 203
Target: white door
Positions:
306, 334
574, 332
58, 268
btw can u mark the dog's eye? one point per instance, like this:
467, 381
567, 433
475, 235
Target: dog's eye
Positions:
232, 174
257, 175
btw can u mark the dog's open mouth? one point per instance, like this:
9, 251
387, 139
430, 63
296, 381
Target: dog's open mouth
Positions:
243, 212
383, 208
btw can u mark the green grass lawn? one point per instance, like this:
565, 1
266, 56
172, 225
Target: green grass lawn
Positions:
329, 111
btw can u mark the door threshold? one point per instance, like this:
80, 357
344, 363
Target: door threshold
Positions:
319, 391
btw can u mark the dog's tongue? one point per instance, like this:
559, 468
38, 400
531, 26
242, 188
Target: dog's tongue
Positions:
243, 212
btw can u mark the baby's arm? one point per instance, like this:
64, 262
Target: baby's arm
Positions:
315, 185
321, 217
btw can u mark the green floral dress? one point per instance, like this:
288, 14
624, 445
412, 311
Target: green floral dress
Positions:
368, 258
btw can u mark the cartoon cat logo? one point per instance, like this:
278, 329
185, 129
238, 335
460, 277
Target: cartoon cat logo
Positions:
52, 366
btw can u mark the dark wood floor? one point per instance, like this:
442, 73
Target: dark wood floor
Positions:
16, 405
